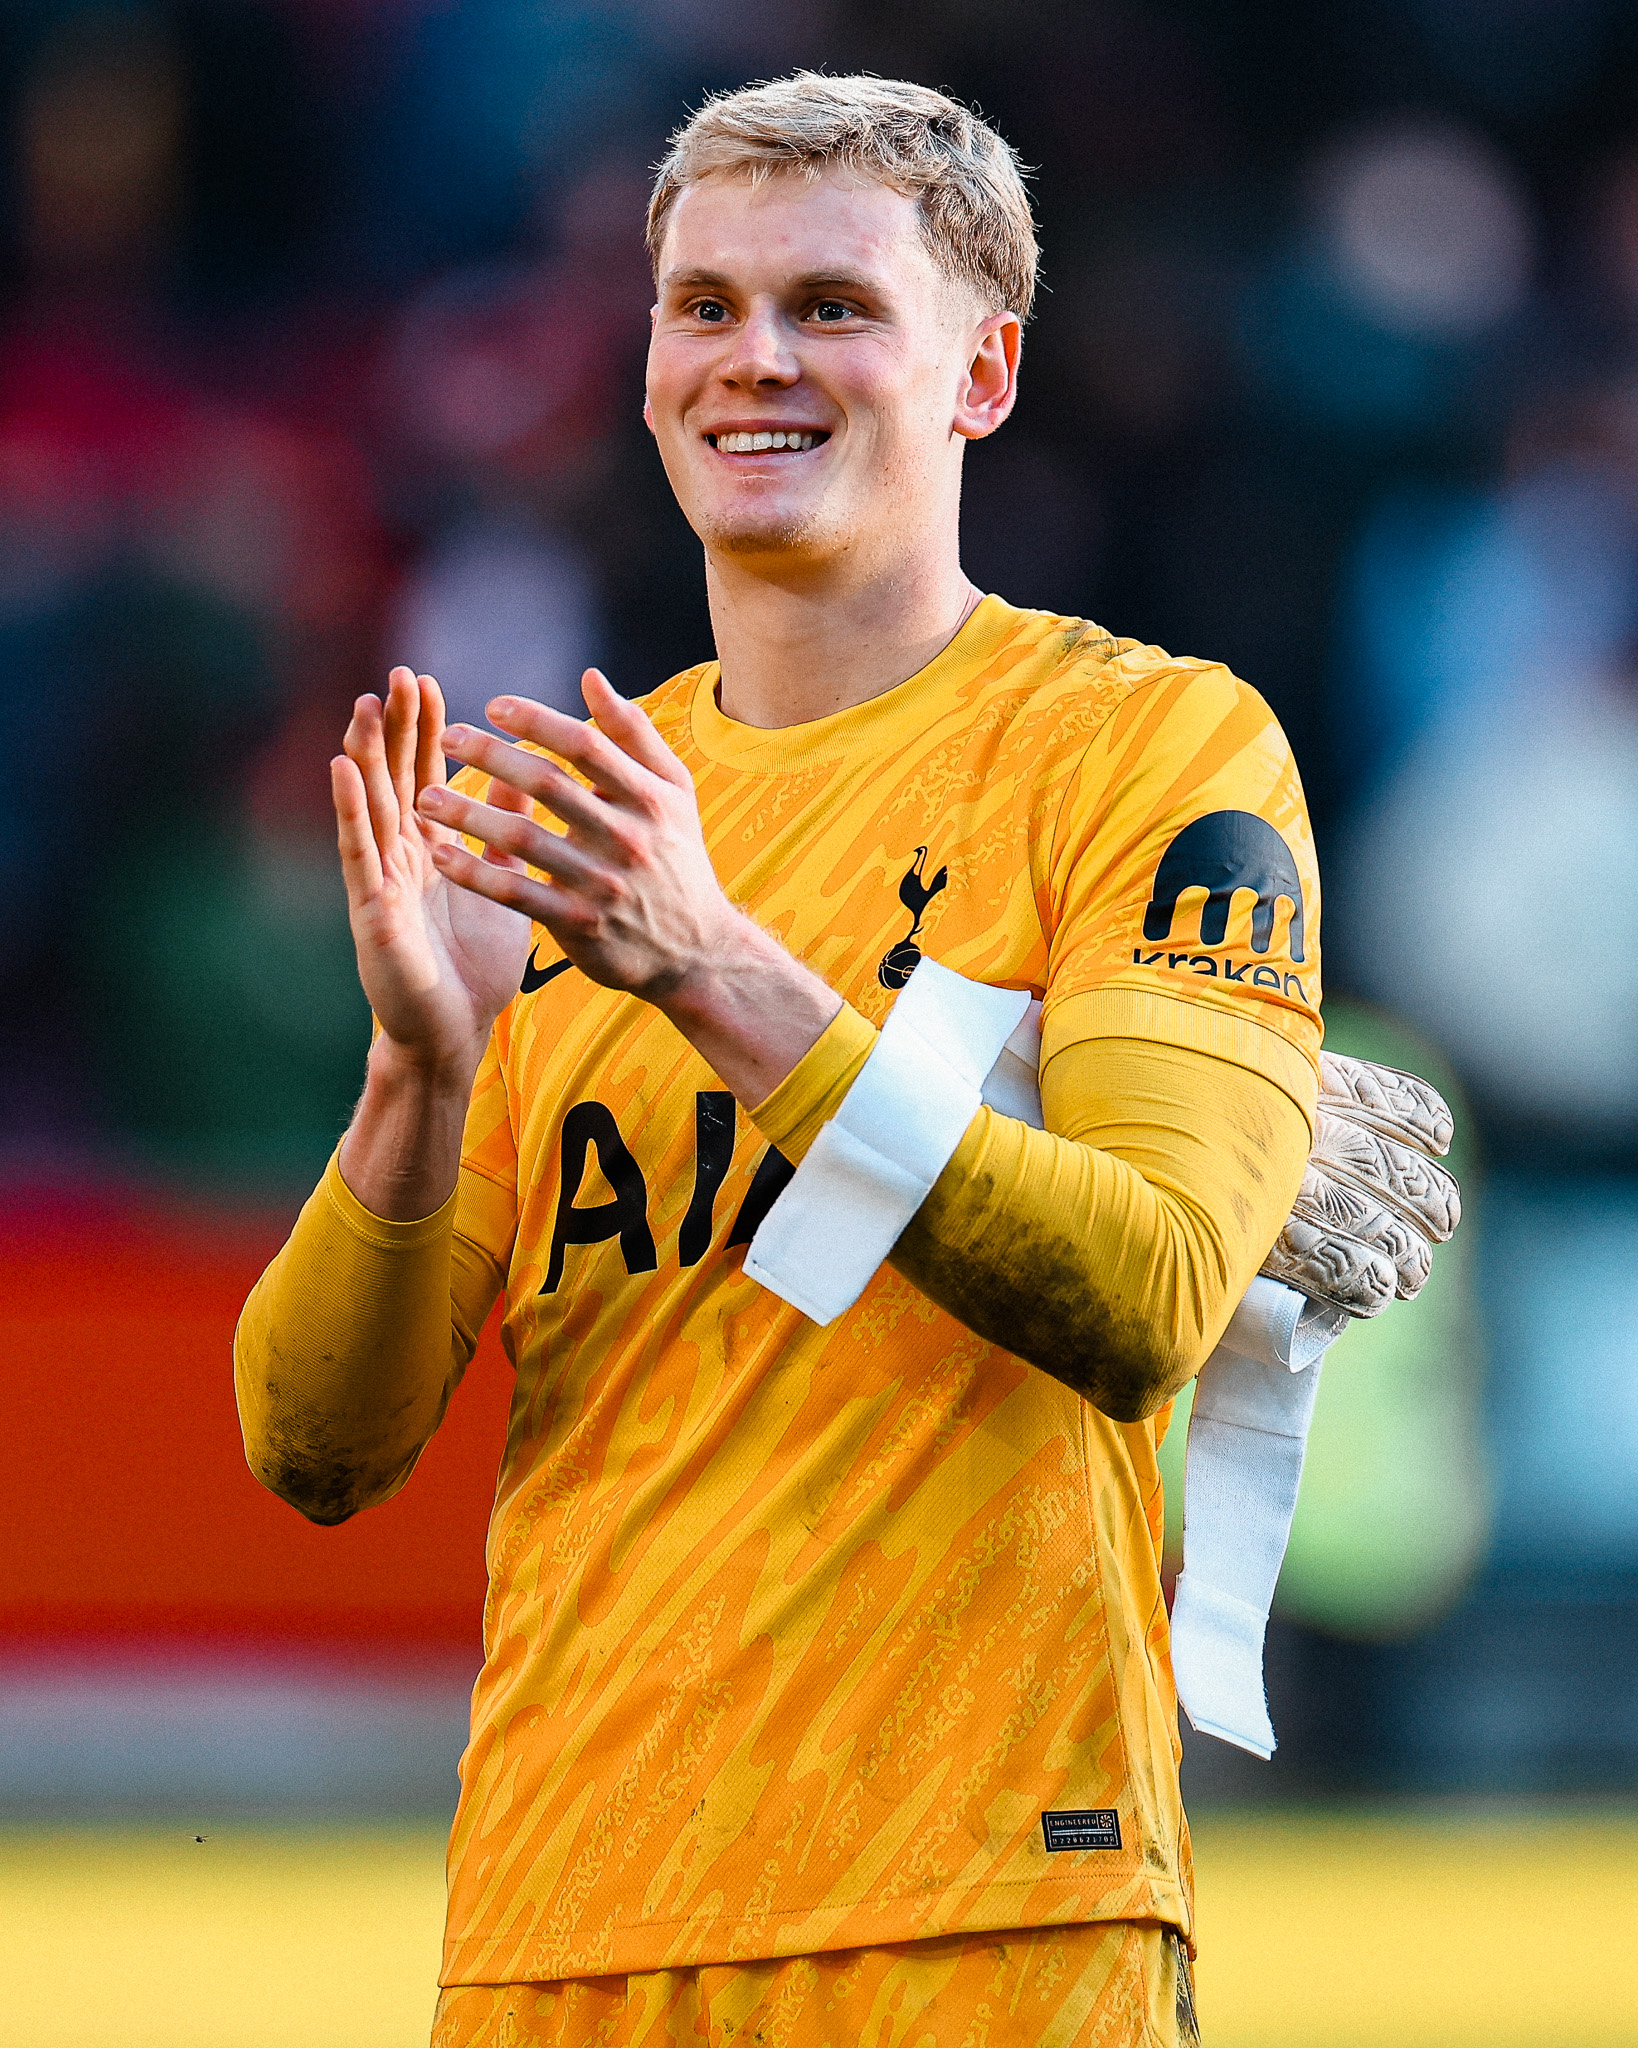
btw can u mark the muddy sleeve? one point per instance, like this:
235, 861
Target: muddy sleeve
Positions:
356, 1336
1111, 1248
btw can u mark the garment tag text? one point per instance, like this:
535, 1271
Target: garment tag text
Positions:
1098, 1828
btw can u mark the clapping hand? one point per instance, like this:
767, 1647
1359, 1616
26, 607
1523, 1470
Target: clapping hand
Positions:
438, 963
626, 888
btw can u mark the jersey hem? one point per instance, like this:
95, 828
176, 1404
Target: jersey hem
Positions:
635, 1949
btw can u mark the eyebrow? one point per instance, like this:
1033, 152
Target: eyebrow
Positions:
854, 281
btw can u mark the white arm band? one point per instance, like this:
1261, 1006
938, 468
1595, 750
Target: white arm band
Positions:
874, 1164
948, 1044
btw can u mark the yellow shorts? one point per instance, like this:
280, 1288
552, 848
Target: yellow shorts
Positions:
1114, 1984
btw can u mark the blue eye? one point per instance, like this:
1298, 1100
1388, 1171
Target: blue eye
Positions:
830, 310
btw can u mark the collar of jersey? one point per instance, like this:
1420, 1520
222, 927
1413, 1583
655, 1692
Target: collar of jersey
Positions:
880, 722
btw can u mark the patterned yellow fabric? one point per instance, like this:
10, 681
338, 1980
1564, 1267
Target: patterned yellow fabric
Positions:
793, 1633
1111, 1985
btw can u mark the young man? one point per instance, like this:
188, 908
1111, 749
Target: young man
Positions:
826, 1682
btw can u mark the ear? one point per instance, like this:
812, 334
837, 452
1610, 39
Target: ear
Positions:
990, 388
648, 410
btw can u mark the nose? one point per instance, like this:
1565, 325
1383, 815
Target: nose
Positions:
762, 353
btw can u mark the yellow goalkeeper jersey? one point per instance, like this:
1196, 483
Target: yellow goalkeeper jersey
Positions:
806, 1638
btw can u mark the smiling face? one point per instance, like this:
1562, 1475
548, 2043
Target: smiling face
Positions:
813, 375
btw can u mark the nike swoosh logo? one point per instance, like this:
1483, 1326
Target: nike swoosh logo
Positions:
537, 977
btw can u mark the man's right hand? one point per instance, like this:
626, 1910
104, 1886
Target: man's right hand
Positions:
438, 963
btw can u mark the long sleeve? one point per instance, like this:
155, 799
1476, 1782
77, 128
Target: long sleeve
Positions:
1111, 1248
356, 1336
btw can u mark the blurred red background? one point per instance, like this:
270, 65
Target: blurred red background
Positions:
152, 1531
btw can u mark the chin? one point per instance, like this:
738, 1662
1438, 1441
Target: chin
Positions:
778, 534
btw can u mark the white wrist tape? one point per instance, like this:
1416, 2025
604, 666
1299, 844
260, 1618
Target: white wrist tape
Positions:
948, 1044
872, 1166
1247, 1436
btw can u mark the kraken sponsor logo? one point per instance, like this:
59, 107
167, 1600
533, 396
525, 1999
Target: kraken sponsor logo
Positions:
1223, 853
1254, 975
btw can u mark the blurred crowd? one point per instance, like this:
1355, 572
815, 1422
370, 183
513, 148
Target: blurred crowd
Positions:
321, 332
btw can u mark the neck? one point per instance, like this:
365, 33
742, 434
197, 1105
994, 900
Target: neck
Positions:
794, 648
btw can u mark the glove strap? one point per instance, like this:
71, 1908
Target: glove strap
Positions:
1248, 1433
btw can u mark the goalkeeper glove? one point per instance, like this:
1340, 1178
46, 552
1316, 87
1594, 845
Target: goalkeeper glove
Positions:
1374, 1201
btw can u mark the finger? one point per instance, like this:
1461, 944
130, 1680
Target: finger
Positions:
630, 727
531, 778
1403, 1176
360, 856
430, 771
365, 746
503, 797
511, 832
610, 770
542, 902
1342, 1210
1332, 1267
1396, 1103
1384, 1236
401, 726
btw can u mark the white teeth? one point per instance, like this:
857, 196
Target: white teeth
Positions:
754, 444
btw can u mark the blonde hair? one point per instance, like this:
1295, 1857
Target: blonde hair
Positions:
967, 182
